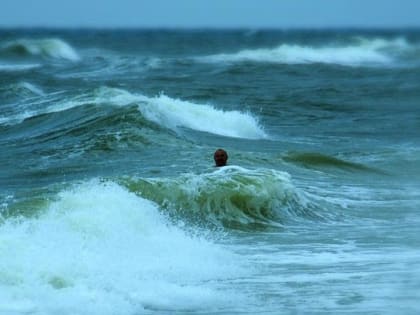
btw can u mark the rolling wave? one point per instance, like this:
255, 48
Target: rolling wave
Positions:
165, 111
47, 48
361, 51
232, 196
174, 113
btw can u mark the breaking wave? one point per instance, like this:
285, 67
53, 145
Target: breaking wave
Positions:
46, 48
99, 249
360, 51
163, 110
174, 113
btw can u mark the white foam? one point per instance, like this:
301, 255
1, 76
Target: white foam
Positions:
100, 249
362, 52
173, 113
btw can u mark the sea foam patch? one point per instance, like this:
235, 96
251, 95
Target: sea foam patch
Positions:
99, 249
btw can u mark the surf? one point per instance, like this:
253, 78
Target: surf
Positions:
97, 248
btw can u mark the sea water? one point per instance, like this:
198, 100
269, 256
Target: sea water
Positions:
110, 203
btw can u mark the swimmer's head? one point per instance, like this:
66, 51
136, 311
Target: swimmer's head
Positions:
220, 157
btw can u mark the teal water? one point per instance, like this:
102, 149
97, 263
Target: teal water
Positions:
110, 203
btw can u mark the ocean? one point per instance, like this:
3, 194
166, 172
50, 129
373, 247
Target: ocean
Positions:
110, 202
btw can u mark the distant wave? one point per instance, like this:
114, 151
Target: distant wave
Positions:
233, 196
361, 51
47, 48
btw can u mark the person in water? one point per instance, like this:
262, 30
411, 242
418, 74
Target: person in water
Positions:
220, 157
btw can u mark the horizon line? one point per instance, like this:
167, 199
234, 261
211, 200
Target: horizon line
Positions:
210, 28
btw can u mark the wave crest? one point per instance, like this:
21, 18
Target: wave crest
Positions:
48, 48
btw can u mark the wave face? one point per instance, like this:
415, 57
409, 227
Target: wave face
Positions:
232, 196
360, 51
47, 48
99, 249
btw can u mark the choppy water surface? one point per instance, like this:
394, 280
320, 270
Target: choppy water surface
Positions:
110, 204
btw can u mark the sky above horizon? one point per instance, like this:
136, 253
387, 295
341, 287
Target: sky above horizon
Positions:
210, 13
